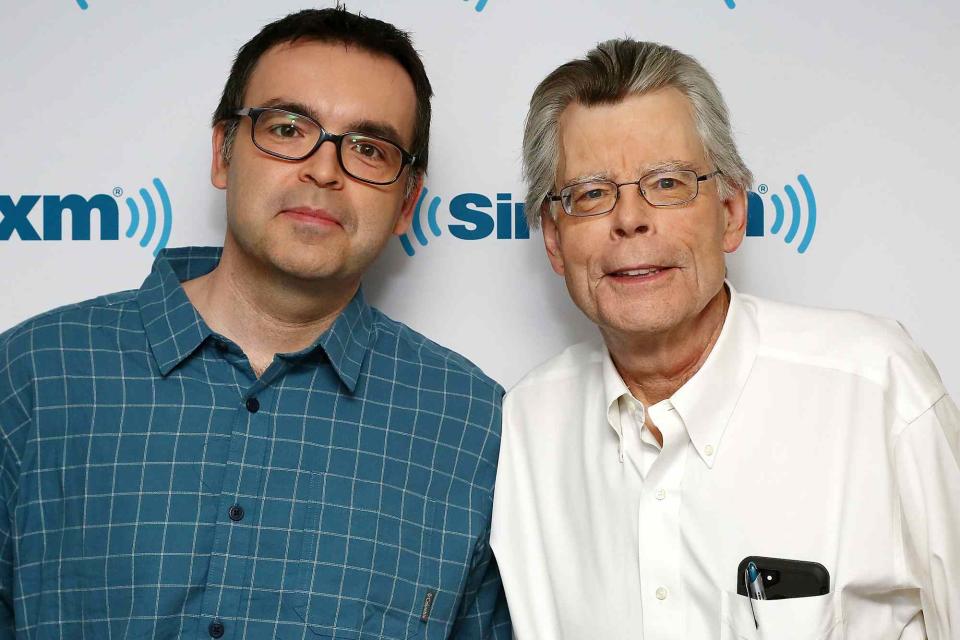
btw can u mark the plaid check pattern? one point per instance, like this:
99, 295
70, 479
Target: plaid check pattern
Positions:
151, 486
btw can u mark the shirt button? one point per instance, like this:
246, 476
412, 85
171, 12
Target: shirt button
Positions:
235, 512
253, 405
220, 345
708, 449
661, 494
215, 629
662, 593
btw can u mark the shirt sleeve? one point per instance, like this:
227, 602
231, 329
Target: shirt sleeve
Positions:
483, 611
927, 458
14, 421
7, 621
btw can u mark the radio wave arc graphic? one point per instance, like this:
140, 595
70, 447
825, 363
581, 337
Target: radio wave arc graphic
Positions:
755, 214
166, 221
417, 225
83, 4
481, 5
731, 4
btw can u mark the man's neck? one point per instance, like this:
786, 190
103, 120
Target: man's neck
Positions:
265, 312
654, 366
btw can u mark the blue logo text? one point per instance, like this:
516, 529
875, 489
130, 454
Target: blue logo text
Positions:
475, 217
15, 217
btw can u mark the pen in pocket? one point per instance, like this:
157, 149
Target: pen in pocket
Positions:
754, 582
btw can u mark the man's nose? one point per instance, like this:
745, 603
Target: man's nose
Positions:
323, 168
632, 215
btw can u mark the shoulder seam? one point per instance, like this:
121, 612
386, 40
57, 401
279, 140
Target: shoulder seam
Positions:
385, 324
907, 423
100, 302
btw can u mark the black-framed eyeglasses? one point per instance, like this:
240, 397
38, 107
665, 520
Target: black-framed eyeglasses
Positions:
659, 188
294, 136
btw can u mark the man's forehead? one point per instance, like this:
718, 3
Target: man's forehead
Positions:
336, 83
640, 133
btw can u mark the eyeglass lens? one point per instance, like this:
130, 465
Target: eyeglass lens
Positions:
662, 188
293, 136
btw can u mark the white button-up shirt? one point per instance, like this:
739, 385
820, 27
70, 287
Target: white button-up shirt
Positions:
813, 435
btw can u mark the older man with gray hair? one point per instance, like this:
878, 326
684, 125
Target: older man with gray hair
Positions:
718, 465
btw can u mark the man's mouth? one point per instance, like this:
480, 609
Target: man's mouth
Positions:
638, 273
311, 215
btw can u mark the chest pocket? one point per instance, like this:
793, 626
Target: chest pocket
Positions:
813, 618
372, 562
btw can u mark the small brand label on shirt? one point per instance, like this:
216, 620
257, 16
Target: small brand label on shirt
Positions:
427, 606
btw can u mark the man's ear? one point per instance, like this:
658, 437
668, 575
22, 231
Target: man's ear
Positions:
218, 164
735, 220
406, 209
551, 239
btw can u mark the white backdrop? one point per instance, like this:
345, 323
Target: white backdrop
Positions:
860, 97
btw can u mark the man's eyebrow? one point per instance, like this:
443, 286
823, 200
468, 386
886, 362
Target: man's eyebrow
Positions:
370, 127
292, 106
669, 165
587, 178
377, 128
666, 165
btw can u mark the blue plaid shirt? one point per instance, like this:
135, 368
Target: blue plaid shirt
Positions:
151, 486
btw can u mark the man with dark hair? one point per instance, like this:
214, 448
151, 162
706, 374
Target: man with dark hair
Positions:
243, 447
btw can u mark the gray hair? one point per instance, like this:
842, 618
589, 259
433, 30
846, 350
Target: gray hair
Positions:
609, 73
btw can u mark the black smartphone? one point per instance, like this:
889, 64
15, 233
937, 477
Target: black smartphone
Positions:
783, 578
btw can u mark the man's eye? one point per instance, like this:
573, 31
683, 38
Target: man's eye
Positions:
666, 183
285, 131
368, 151
592, 194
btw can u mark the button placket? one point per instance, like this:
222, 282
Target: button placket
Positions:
659, 533
229, 570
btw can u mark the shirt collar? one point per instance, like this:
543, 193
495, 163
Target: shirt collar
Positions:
613, 389
347, 342
174, 328
707, 400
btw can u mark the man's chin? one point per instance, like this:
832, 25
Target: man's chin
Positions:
635, 328
635, 320
305, 270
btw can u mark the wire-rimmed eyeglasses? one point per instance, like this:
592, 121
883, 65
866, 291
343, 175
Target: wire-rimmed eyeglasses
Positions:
659, 188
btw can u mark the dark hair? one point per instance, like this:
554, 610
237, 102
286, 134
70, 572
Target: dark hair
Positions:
333, 25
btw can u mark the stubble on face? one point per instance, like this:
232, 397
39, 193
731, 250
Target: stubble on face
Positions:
308, 220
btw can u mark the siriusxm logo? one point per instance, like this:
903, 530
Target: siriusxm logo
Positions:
476, 215
756, 222
14, 217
